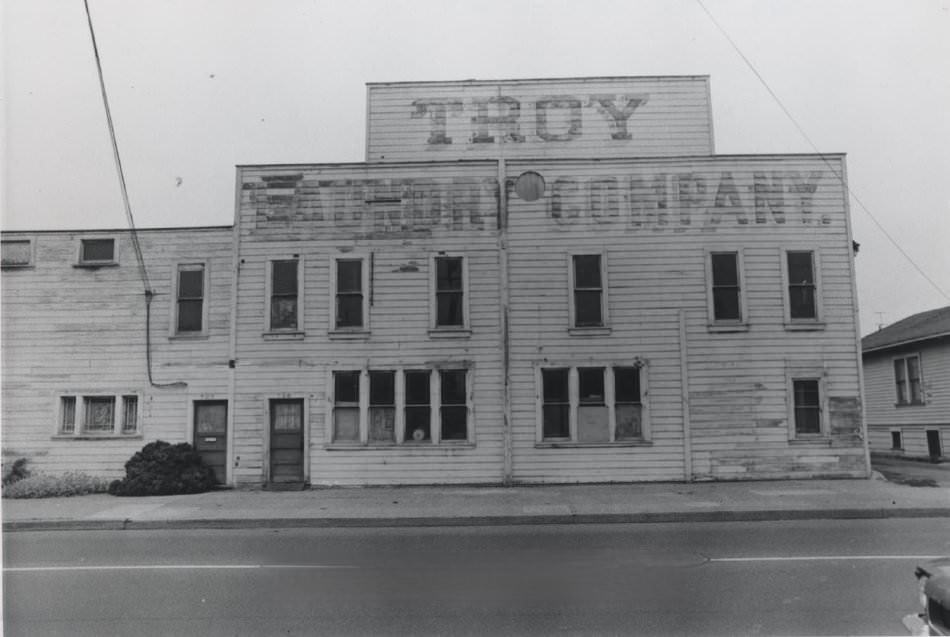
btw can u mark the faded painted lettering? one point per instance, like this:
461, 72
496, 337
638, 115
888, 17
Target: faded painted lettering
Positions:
569, 109
617, 116
436, 110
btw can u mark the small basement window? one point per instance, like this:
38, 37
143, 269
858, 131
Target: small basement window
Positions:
96, 251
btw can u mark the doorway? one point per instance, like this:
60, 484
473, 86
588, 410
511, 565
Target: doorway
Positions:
286, 441
933, 444
211, 435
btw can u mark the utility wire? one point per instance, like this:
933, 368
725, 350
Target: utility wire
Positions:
819, 153
143, 272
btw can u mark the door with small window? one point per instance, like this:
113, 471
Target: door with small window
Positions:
286, 440
211, 435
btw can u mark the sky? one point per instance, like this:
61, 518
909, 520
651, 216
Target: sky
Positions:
199, 86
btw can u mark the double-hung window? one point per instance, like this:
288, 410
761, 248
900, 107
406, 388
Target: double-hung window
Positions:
350, 307
449, 289
907, 380
807, 406
98, 415
284, 297
724, 272
588, 296
413, 406
190, 299
802, 291
592, 405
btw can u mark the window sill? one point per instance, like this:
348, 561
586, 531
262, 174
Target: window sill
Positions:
819, 440
589, 445
88, 436
95, 265
589, 331
450, 332
461, 444
805, 326
725, 328
348, 335
198, 336
289, 335
16, 266
918, 403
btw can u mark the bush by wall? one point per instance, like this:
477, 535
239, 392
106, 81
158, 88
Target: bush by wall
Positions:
161, 468
41, 485
15, 471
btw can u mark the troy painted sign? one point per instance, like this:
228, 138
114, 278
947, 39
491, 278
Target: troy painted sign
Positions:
555, 118
659, 201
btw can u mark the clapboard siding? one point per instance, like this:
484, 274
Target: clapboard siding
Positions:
593, 117
655, 246
398, 217
71, 330
883, 413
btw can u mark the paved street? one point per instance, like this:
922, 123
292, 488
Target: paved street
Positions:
912, 472
790, 577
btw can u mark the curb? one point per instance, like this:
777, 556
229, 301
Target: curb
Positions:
496, 520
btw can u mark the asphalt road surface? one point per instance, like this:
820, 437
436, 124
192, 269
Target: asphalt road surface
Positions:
763, 578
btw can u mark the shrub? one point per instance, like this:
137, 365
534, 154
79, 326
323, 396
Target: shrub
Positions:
41, 485
161, 468
15, 471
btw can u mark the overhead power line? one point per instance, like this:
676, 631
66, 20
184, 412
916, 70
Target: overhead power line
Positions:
818, 152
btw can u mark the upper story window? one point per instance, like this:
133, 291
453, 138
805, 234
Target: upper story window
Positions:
800, 270
351, 307
907, 380
190, 306
98, 415
449, 292
16, 253
284, 311
725, 288
96, 251
588, 297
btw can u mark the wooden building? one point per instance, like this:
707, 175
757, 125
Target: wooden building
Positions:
907, 376
528, 281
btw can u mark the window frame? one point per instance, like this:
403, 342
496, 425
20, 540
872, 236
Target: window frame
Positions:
448, 331
366, 264
807, 373
96, 263
899, 437
904, 363
803, 323
401, 439
283, 332
31, 258
174, 332
79, 425
604, 326
609, 403
714, 324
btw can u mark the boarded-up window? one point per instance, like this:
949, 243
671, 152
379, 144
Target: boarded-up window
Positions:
283, 302
592, 417
97, 250
349, 293
99, 414
449, 292
130, 414
588, 291
190, 302
454, 410
725, 286
382, 407
628, 405
418, 409
67, 422
346, 406
807, 406
16, 253
556, 407
801, 285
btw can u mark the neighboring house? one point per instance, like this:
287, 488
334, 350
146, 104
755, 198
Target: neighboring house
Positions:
529, 281
907, 385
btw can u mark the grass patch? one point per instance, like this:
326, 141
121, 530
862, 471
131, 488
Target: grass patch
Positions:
41, 485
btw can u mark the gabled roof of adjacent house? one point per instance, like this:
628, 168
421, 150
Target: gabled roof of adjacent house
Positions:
918, 327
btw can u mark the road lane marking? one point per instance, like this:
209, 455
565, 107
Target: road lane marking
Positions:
172, 567
818, 558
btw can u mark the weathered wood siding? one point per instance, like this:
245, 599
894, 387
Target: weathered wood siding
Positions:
883, 412
398, 218
591, 117
73, 330
654, 222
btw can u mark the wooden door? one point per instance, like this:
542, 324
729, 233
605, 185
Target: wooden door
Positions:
286, 440
933, 444
211, 435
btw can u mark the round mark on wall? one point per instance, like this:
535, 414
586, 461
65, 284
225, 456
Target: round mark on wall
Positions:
530, 186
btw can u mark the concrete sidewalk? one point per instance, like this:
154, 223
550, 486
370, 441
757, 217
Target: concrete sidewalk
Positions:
453, 506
